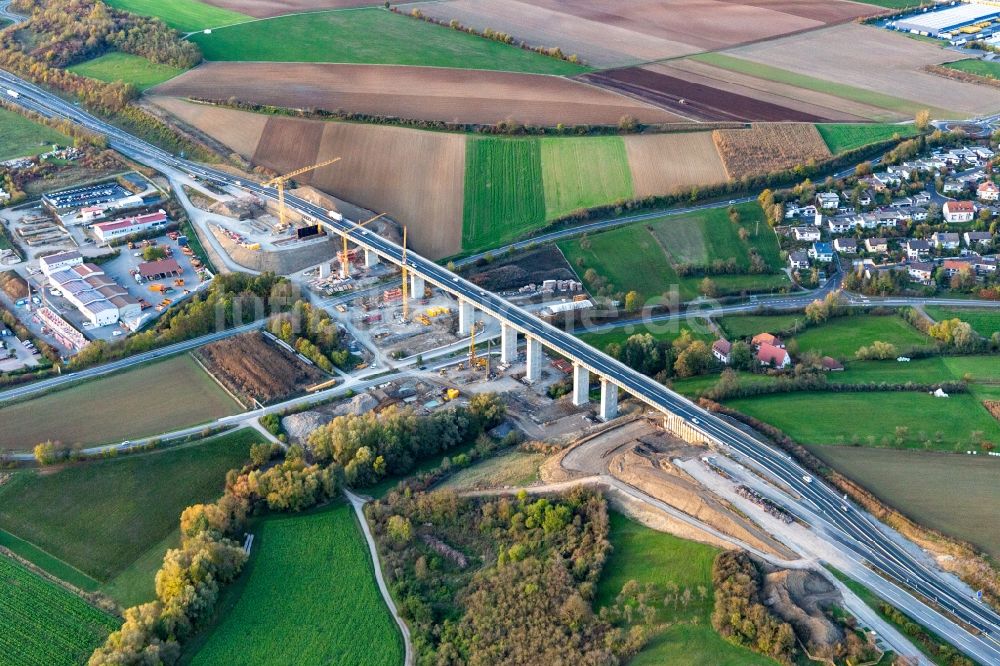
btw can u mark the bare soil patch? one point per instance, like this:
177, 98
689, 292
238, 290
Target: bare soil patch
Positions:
255, 368
769, 147
696, 101
877, 60
268, 8
800, 597
665, 163
414, 93
545, 263
288, 144
242, 137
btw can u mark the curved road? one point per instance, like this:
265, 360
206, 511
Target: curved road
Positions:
858, 531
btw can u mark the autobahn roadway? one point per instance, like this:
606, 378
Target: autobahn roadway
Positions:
851, 526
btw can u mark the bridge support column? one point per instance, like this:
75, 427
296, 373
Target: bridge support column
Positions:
416, 286
508, 344
609, 400
581, 385
371, 259
465, 313
534, 360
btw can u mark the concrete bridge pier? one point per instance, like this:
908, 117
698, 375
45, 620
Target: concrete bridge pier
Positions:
416, 285
534, 359
465, 314
609, 400
508, 344
371, 259
581, 385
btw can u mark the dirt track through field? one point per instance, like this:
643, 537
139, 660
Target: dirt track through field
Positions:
421, 93
693, 100
665, 163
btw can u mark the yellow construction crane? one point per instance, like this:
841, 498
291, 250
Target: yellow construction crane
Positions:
280, 181
346, 265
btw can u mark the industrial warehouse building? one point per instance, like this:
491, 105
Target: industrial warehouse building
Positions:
127, 226
943, 22
99, 299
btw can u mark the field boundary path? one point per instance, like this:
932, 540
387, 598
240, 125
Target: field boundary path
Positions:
359, 505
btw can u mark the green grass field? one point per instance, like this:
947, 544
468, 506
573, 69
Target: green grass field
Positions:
988, 69
861, 95
642, 257
127, 68
504, 196
511, 468
956, 494
346, 37
841, 337
148, 400
668, 330
584, 173
308, 597
44, 623
686, 636
184, 15
136, 584
840, 418
841, 137
985, 321
747, 326
20, 137
102, 516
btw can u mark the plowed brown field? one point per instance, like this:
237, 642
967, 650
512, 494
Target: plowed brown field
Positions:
665, 163
416, 177
268, 8
769, 147
424, 93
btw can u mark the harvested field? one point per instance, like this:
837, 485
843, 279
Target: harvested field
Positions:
695, 101
665, 163
257, 369
880, 61
421, 93
765, 148
416, 177
241, 133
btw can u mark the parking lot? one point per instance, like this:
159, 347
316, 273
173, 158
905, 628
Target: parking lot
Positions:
14, 355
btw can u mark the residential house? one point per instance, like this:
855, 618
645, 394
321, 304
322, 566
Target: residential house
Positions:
880, 245
953, 187
946, 240
866, 198
846, 245
988, 191
822, 252
956, 212
921, 271
915, 213
917, 249
983, 265
798, 260
827, 200
921, 198
840, 225
952, 266
806, 233
775, 357
721, 349
973, 238
767, 339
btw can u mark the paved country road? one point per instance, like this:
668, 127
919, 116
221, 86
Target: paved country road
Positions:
978, 625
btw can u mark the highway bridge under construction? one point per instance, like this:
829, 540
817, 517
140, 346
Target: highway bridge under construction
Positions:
976, 626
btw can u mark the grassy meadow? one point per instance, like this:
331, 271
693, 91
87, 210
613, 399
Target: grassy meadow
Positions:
685, 635
307, 596
842, 137
160, 397
127, 68
988, 69
102, 516
985, 321
184, 15
19, 137
346, 37
584, 173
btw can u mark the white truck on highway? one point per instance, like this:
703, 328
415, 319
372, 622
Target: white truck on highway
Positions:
807, 478
13, 93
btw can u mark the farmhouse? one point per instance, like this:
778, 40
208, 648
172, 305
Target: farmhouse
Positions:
157, 270
767, 339
988, 191
945, 240
126, 226
956, 212
821, 252
880, 245
846, 245
721, 349
798, 260
772, 356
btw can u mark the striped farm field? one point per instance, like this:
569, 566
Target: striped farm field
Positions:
43, 623
584, 173
504, 196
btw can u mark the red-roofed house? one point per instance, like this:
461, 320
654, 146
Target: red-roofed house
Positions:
721, 349
958, 211
767, 339
772, 356
127, 226
988, 191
